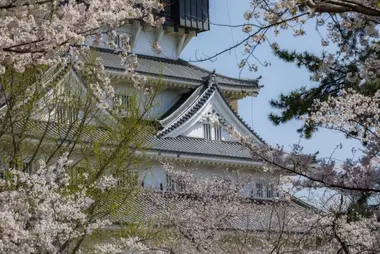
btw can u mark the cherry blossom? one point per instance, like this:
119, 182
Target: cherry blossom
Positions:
38, 214
47, 33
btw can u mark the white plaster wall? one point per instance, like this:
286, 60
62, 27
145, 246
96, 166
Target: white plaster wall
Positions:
155, 176
143, 43
162, 102
195, 131
227, 136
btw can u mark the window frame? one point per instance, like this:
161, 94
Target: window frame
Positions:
207, 131
259, 190
218, 132
67, 114
124, 102
269, 191
175, 184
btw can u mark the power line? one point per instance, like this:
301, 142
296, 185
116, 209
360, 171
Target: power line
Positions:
231, 31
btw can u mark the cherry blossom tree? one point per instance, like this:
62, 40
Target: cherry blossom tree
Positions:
344, 98
35, 133
40, 213
50, 212
349, 222
47, 112
45, 33
213, 214
349, 35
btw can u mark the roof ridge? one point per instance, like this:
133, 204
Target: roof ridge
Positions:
241, 119
196, 105
193, 95
218, 74
206, 140
192, 73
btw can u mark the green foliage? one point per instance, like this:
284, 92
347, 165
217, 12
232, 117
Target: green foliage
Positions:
61, 116
300, 102
310, 61
359, 207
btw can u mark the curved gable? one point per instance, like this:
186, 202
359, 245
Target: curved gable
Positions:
208, 106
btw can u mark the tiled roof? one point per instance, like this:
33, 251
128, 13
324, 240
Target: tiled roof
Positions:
181, 105
188, 109
177, 69
200, 147
242, 121
179, 145
191, 104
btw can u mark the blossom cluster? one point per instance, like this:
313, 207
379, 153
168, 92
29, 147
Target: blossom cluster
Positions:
201, 212
351, 223
41, 213
47, 33
351, 25
358, 117
38, 214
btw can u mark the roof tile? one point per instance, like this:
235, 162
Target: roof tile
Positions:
179, 69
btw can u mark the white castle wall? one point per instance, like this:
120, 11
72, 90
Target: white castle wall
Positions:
196, 131
162, 102
142, 43
155, 177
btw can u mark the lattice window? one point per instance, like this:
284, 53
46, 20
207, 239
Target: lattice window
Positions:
121, 103
218, 132
67, 114
207, 131
120, 40
270, 191
170, 183
175, 184
264, 191
131, 178
259, 190
77, 175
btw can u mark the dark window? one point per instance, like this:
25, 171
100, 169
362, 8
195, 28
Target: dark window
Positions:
27, 167
3, 167
192, 14
117, 41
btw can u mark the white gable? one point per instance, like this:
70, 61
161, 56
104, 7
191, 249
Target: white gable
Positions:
196, 131
216, 111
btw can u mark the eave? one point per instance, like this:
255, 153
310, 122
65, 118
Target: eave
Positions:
192, 109
238, 92
175, 72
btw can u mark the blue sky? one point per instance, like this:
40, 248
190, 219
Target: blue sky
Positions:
279, 77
